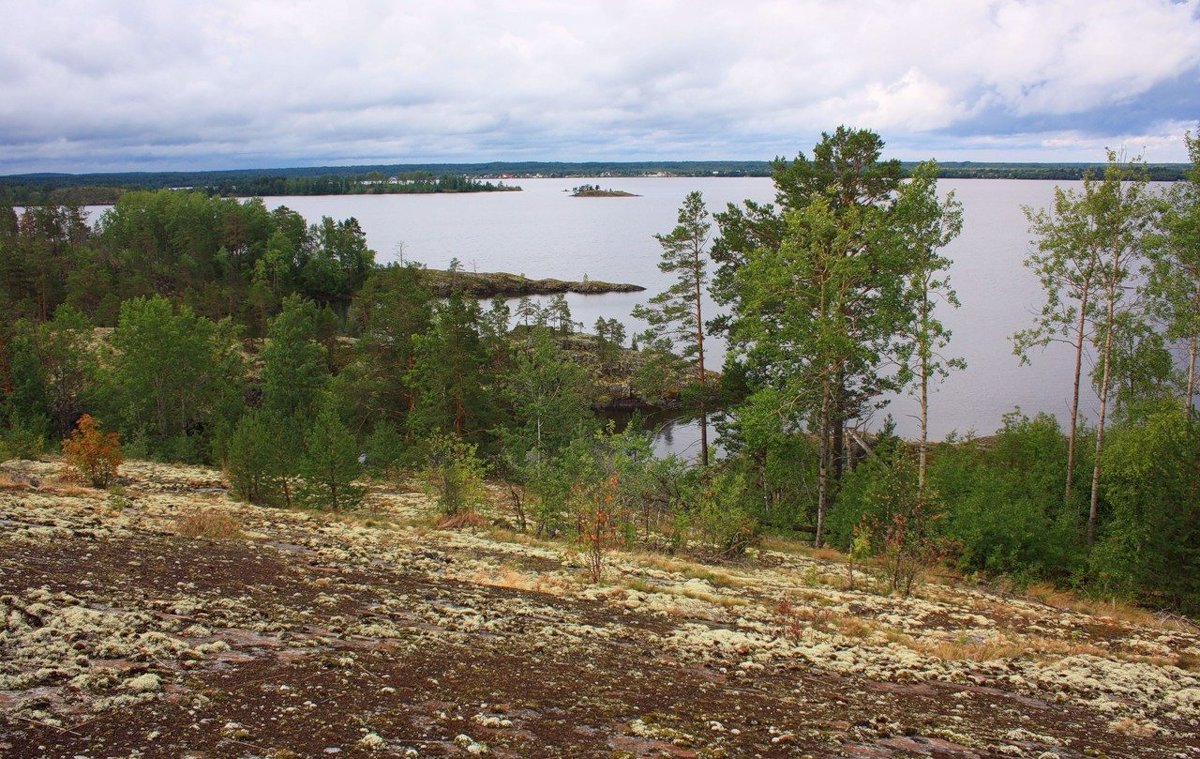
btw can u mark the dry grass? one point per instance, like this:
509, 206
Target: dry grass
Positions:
8, 483
796, 619
206, 523
1187, 661
459, 521
855, 627
1119, 611
1131, 727
990, 648
973, 648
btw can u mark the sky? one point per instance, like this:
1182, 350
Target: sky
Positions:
164, 85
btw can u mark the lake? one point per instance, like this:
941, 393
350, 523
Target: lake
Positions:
543, 232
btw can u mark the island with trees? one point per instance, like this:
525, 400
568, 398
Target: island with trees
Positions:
596, 191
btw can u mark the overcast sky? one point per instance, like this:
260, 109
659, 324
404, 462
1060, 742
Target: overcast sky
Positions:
97, 86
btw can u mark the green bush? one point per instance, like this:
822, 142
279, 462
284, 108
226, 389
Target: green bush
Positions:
723, 520
1151, 545
453, 476
253, 462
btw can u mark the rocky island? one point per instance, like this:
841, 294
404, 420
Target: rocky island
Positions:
503, 284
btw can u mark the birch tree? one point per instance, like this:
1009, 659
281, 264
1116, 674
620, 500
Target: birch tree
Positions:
926, 225
1089, 248
1173, 281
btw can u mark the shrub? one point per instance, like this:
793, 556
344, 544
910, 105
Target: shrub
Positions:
202, 523
95, 455
453, 476
597, 514
723, 521
1151, 546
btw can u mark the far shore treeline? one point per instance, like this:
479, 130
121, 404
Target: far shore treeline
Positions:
214, 330
104, 188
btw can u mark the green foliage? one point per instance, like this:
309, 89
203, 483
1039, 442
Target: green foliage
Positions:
330, 463
1006, 512
548, 399
255, 461
174, 375
67, 357
724, 516
1150, 548
454, 389
295, 369
779, 462
24, 406
454, 475
386, 450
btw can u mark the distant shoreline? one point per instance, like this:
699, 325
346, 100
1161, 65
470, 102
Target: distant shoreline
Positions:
503, 284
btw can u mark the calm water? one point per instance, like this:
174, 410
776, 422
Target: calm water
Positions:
543, 232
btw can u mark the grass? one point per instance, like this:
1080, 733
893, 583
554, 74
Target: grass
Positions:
8, 483
461, 520
1112, 608
207, 523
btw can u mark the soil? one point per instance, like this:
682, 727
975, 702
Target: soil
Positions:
374, 634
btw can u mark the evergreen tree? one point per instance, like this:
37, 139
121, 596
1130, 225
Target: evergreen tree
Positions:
295, 369
330, 463
675, 315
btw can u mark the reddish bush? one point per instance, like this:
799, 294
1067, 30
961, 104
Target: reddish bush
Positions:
93, 454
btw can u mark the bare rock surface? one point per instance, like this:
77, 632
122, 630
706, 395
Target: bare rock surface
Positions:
374, 634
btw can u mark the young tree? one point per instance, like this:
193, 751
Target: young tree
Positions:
330, 463
392, 309
549, 400
295, 369
94, 454
1067, 263
926, 224
676, 313
453, 392
256, 461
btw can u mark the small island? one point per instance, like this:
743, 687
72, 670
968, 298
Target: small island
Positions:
492, 284
595, 191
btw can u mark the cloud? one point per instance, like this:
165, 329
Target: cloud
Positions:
218, 84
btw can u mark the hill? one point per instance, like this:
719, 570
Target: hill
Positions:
164, 619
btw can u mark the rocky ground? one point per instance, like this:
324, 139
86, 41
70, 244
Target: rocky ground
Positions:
163, 619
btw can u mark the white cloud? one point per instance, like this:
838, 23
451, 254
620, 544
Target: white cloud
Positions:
167, 84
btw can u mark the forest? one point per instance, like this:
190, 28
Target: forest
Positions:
211, 330
104, 189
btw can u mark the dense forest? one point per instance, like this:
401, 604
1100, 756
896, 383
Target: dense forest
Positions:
207, 329
104, 189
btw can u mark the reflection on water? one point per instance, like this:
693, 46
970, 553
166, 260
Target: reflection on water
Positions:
673, 433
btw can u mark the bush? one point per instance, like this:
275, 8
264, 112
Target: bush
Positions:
598, 520
723, 520
95, 455
1151, 545
453, 476
22, 442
